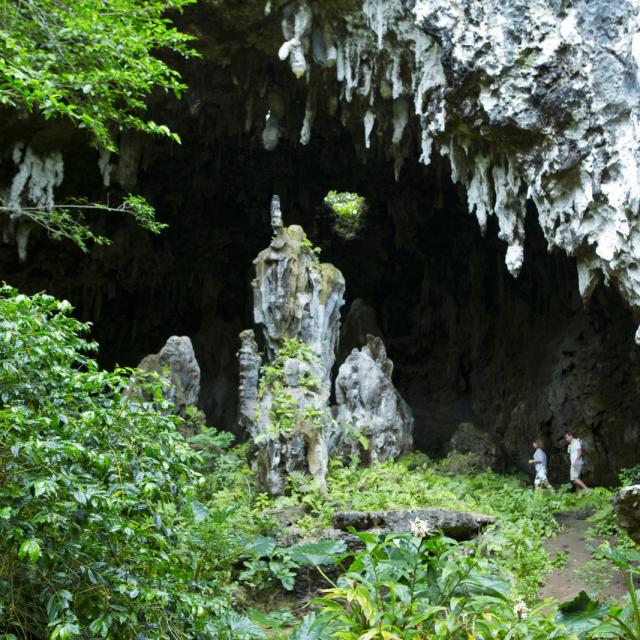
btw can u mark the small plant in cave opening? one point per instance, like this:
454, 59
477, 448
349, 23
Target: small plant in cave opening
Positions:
348, 211
307, 244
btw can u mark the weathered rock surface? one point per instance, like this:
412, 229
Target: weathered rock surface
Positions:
249, 361
528, 100
370, 406
295, 296
485, 449
626, 504
460, 525
297, 304
176, 364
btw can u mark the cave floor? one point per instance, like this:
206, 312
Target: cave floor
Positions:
581, 572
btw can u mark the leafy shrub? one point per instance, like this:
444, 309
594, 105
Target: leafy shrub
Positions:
457, 463
271, 566
348, 211
94, 540
630, 475
61, 59
403, 587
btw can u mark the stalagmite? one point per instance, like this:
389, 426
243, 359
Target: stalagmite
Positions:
297, 304
372, 416
249, 362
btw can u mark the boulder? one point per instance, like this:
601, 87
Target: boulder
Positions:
484, 447
372, 417
626, 504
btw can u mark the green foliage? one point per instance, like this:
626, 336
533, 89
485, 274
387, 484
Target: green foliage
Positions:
348, 211
225, 522
285, 413
630, 475
69, 220
525, 518
307, 244
588, 618
215, 458
112, 526
270, 565
580, 615
91, 61
264, 574
401, 588
96, 491
623, 621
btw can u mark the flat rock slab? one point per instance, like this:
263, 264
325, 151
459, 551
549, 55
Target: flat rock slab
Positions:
460, 525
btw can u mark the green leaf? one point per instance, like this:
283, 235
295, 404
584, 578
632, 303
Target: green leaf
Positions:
30, 548
241, 626
308, 629
581, 614
260, 546
200, 512
317, 553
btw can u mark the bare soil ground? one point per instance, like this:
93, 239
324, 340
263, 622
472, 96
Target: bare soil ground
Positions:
580, 572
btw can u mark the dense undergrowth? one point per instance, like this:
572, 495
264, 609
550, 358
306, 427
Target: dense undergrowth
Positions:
112, 526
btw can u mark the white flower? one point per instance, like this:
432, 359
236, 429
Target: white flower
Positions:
419, 528
521, 610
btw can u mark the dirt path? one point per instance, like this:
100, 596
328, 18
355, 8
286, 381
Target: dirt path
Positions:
564, 584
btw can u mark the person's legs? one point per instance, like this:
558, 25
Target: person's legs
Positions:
541, 480
574, 474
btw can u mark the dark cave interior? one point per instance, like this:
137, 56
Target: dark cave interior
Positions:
516, 356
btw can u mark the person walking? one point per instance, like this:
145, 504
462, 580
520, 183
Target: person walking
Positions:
540, 461
576, 459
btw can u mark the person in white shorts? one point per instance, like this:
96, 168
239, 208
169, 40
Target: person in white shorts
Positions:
577, 462
540, 461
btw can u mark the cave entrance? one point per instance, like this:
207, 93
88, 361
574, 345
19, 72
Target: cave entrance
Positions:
515, 356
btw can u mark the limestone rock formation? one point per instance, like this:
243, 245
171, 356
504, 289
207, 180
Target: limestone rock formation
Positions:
31, 189
284, 407
529, 101
485, 449
295, 296
176, 364
369, 405
249, 361
626, 504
